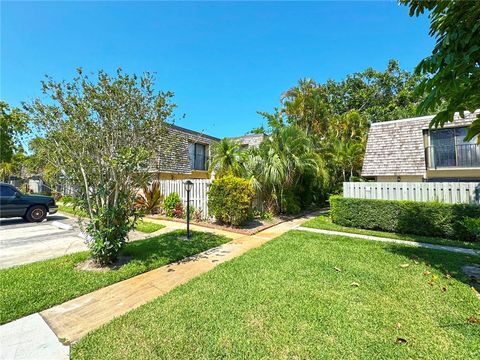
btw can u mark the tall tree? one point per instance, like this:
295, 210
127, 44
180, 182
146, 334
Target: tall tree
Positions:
101, 133
13, 125
452, 71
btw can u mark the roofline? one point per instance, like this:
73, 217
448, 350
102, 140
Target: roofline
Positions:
247, 136
426, 117
193, 132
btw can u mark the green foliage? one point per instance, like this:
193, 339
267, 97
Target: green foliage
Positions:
151, 198
13, 125
335, 115
473, 227
98, 134
291, 203
38, 286
170, 203
452, 72
227, 158
406, 217
285, 300
230, 200
148, 227
325, 222
108, 229
286, 162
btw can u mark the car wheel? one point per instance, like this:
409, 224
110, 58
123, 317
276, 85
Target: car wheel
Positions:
36, 213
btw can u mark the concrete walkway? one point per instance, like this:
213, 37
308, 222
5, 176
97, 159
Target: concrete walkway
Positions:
401, 242
74, 319
30, 338
37, 336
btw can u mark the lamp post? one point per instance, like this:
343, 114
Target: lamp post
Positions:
188, 186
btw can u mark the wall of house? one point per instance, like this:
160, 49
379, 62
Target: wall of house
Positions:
403, 178
195, 174
172, 159
454, 174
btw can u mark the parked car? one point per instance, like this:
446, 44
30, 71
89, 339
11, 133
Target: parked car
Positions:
33, 208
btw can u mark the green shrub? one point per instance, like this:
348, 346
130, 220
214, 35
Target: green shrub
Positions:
473, 226
408, 217
230, 200
291, 203
170, 203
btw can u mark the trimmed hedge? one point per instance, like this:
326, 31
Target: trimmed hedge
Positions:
407, 217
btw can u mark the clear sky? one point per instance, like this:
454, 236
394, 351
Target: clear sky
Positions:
224, 61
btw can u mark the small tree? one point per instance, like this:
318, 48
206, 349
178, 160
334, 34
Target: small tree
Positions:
101, 134
452, 71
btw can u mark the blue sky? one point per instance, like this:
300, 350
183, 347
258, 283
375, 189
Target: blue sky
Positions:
224, 61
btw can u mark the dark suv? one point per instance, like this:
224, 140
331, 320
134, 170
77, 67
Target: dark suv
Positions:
32, 208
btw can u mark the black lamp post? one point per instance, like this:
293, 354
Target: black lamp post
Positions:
188, 186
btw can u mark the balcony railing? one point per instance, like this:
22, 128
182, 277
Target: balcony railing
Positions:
465, 155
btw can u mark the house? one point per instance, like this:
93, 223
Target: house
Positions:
250, 140
408, 150
183, 154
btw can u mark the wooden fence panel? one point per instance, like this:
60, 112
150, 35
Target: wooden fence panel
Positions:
198, 194
448, 192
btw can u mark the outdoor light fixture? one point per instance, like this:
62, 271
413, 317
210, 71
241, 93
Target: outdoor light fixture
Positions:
188, 187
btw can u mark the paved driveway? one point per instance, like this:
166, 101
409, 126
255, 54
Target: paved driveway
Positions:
22, 242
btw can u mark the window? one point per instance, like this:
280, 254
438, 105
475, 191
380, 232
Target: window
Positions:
448, 148
6, 191
197, 155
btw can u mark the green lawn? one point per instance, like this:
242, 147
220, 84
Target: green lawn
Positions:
148, 227
286, 300
34, 287
142, 225
325, 222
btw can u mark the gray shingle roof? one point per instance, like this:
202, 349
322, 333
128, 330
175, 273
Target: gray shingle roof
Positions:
397, 147
251, 140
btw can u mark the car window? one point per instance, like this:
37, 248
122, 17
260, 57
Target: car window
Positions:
6, 191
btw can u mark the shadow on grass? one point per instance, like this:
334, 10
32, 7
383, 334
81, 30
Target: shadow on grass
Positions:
171, 247
450, 264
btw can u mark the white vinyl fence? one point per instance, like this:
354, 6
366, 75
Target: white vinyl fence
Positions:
448, 192
198, 194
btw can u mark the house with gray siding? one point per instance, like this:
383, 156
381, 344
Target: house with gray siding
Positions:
408, 150
182, 154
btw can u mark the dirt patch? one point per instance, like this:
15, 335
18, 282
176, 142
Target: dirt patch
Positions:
91, 265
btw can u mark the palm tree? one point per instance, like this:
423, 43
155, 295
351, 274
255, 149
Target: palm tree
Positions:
228, 158
281, 162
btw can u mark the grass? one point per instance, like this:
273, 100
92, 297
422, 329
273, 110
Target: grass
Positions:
142, 225
286, 300
148, 227
34, 287
325, 222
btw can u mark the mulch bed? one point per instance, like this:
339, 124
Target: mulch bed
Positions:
250, 228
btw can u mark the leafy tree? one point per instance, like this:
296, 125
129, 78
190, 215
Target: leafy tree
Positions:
227, 158
279, 168
13, 124
101, 133
452, 71
335, 115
